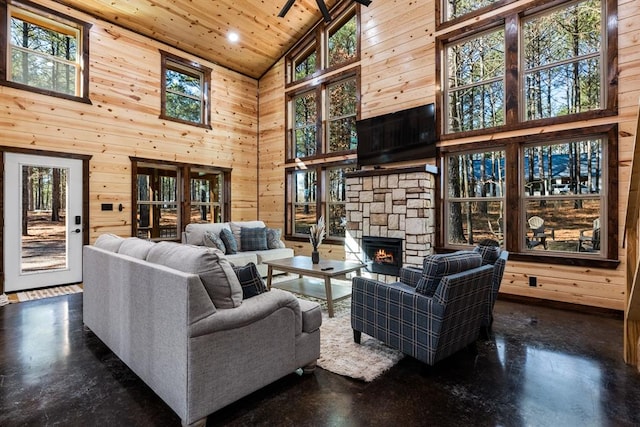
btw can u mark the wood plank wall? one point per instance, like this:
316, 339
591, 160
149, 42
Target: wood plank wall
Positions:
398, 72
123, 121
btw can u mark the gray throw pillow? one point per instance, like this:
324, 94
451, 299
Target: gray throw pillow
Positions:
212, 240
253, 239
215, 271
274, 238
229, 241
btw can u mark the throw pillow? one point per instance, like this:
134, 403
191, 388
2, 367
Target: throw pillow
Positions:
274, 238
214, 270
253, 239
212, 240
435, 267
229, 241
250, 280
489, 253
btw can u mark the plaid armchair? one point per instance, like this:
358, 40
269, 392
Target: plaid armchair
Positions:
427, 327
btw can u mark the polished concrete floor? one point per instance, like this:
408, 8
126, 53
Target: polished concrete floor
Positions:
542, 367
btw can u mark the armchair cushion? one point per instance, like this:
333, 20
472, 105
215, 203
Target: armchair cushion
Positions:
439, 265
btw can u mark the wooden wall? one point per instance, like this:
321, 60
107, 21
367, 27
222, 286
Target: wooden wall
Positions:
123, 121
398, 72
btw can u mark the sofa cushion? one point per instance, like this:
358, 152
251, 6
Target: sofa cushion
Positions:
311, 315
274, 254
253, 239
236, 229
435, 267
135, 247
109, 242
213, 240
214, 270
243, 258
489, 254
250, 280
194, 233
229, 241
274, 238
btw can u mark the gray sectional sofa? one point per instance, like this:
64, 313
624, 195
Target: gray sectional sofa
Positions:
194, 234
175, 314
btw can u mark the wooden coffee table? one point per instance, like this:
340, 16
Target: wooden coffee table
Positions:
326, 270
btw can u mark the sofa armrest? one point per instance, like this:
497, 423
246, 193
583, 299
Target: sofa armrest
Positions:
250, 311
410, 275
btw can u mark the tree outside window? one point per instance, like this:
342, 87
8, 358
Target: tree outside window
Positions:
456, 8
305, 66
342, 116
343, 42
206, 192
336, 218
475, 82
305, 108
305, 187
562, 52
475, 197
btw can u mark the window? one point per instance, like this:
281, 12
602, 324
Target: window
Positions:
321, 112
456, 8
315, 192
343, 41
185, 91
475, 82
47, 52
560, 71
328, 47
561, 185
475, 197
158, 194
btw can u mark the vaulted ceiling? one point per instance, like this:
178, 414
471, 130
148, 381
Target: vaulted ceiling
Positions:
201, 27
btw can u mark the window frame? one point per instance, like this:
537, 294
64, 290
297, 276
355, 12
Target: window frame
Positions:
514, 220
184, 174
52, 19
318, 39
191, 68
514, 95
322, 201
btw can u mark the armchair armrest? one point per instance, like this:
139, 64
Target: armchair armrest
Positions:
250, 311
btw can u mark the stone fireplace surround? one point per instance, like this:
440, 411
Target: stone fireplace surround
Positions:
394, 202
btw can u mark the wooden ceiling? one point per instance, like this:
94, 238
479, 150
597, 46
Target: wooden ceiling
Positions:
201, 27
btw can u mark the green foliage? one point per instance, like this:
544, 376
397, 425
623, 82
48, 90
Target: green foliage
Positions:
343, 43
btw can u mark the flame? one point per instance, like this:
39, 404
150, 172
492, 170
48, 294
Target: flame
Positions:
383, 257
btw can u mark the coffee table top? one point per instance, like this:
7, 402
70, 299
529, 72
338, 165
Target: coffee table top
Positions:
303, 265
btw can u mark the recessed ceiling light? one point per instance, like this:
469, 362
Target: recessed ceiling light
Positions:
233, 37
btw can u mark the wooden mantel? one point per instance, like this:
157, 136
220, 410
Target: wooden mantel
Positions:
632, 234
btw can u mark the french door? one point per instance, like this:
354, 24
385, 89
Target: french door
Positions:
43, 233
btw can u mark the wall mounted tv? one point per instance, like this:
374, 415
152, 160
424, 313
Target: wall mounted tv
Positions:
403, 135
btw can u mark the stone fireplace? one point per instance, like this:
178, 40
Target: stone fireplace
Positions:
394, 204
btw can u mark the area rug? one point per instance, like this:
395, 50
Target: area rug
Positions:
340, 354
43, 293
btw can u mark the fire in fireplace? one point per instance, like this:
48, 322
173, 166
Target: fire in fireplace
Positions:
382, 254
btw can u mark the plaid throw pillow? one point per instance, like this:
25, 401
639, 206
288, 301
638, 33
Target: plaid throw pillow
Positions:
253, 239
229, 241
250, 280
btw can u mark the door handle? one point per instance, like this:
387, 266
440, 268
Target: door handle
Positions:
77, 230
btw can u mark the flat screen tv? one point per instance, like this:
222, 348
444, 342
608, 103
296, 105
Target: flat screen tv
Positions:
403, 135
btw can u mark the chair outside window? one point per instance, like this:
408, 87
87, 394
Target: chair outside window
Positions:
539, 233
589, 240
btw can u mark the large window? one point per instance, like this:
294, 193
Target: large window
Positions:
321, 111
185, 91
158, 189
47, 52
533, 68
315, 192
561, 187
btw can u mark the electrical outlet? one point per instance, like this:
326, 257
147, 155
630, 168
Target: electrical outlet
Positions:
533, 281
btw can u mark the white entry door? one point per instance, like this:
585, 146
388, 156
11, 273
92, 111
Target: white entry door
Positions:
42, 221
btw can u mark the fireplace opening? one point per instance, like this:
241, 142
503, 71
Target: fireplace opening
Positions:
382, 255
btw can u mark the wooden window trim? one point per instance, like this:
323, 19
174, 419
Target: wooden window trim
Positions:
198, 69
511, 23
442, 24
83, 28
513, 208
